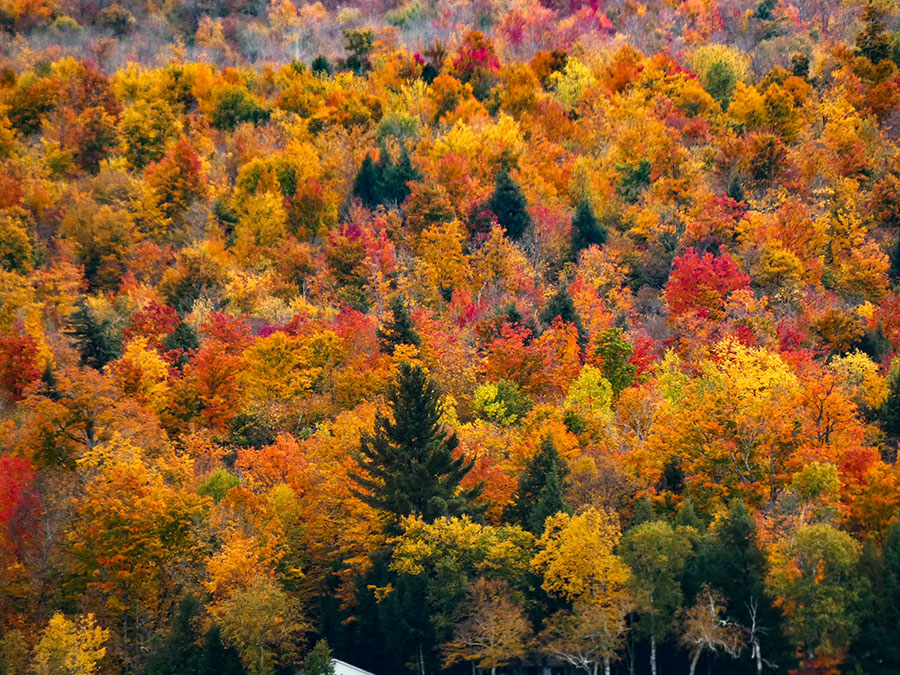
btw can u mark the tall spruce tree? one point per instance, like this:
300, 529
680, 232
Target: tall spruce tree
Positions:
562, 307
398, 329
509, 205
890, 410
586, 229
407, 465
367, 184
94, 339
396, 176
541, 490
873, 41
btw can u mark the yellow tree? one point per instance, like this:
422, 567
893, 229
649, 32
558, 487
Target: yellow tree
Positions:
69, 648
493, 629
577, 561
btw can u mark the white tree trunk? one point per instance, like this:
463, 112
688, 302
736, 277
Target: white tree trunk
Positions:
653, 654
694, 661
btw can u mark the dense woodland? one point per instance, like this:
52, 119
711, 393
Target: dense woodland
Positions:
449, 336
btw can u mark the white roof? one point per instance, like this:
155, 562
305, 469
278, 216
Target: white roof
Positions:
341, 668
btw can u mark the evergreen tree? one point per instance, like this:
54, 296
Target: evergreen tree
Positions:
367, 185
586, 229
509, 205
876, 650
94, 339
732, 561
408, 467
399, 329
216, 658
541, 490
873, 42
396, 177
561, 307
183, 341
49, 385
890, 409
176, 653
318, 661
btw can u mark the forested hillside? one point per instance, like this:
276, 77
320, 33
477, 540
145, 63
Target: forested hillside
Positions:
443, 336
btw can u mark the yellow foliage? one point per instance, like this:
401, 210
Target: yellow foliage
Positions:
69, 648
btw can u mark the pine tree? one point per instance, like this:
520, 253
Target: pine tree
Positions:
367, 185
509, 205
561, 307
318, 661
890, 409
872, 42
399, 329
93, 338
396, 177
183, 341
586, 229
407, 466
541, 490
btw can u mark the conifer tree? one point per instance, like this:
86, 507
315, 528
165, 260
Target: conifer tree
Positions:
541, 490
398, 329
408, 465
561, 307
586, 229
367, 185
890, 409
93, 338
872, 42
509, 205
396, 177
318, 661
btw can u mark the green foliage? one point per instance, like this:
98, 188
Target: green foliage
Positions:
634, 180
873, 41
720, 81
561, 307
234, 106
398, 329
501, 403
541, 491
586, 229
614, 352
95, 340
217, 485
318, 661
889, 415
509, 206
407, 467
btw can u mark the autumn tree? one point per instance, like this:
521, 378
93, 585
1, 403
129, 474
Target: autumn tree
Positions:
407, 467
70, 648
493, 629
705, 627
94, 338
398, 329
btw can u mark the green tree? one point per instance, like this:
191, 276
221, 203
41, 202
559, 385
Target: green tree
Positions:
562, 307
877, 651
720, 81
586, 229
509, 205
367, 184
541, 491
408, 465
94, 339
731, 561
889, 414
398, 329
318, 661
657, 554
815, 579
873, 41
614, 353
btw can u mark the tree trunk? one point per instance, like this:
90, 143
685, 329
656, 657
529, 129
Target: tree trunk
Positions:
757, 654
694, 661
653, 654
606, 668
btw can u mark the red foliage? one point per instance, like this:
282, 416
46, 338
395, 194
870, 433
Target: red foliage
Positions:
154, 322
18, 364
702, 284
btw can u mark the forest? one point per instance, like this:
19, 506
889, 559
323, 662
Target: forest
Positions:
449, 336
